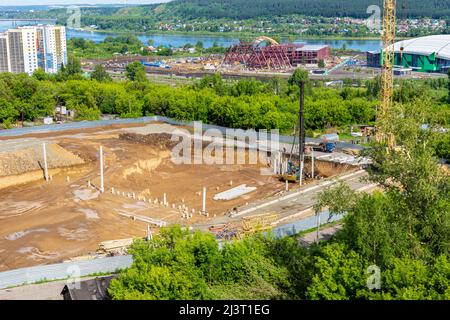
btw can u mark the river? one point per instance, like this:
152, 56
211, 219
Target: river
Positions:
180, 40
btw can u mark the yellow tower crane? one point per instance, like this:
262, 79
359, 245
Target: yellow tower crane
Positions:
384, 133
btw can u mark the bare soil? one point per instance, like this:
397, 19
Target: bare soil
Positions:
46, 222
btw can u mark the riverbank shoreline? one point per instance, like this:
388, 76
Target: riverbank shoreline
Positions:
230, 35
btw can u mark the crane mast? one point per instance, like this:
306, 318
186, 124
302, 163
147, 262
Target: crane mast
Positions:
384, 134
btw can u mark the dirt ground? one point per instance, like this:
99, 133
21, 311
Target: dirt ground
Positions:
46, 222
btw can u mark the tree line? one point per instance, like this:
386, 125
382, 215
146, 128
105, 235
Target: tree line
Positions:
239, 9
246, 103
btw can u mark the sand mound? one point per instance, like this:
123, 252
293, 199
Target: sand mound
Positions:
16, 161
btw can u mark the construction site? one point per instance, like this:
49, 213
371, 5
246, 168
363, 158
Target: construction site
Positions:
263, 58
260, 57
88, 192
81, 191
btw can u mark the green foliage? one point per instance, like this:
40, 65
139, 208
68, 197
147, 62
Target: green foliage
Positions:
340, 274
442, 146
178, 264
135, 71
415, 280
321, 63
128, 106
372, 230
411, 177
298, 77
73, 67
339, 199
100, 74
163, 51
448, 87
127, 44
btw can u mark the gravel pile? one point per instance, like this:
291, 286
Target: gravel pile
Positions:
31, 158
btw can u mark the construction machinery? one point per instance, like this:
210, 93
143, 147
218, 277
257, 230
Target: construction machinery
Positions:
384, 133
292, 173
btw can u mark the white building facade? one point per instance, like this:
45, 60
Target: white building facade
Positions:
26, 49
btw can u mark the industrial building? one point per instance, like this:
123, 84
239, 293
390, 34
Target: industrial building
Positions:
266, 53
310, 54
26, 49
424, 54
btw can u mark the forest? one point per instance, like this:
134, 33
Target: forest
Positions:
239, 9
321, 18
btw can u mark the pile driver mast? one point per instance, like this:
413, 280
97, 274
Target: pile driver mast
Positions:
387, 73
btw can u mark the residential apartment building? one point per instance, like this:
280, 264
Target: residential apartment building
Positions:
4, 53
26, 49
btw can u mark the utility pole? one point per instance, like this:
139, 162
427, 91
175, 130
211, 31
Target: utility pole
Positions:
44, 149
102, 186
301, 133
204, 201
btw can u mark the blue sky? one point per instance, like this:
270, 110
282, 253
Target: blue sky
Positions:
46, 2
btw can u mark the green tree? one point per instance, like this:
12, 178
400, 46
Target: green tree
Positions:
8, 113
340, 275
135, 71
128, 106
73, 67
413, 179
100, 74
321, 63
41, 75
448, 86
199, 46
298, 77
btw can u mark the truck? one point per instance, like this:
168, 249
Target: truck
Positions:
327, 143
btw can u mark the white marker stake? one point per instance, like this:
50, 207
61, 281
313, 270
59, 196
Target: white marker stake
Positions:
287, 186
102, 186
301, 173
149, 233
45, 162
204, 200
312, 163
164, 199
318, 228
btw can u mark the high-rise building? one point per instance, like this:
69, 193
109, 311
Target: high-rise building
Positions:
4, 53
16, 55
52, 52
26, 49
